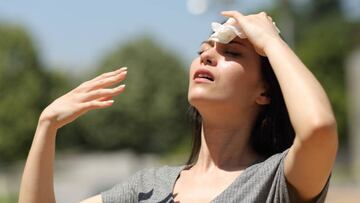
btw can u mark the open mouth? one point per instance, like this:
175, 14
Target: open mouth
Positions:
204, 74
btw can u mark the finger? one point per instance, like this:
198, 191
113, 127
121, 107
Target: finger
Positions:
101, 93
84, 85
109, 74
105, 98
96, 105
235, 14
263, 13
106, 82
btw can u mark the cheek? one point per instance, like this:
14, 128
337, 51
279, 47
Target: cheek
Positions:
238, 81
191, 72
195, 62
231, 74
193, 65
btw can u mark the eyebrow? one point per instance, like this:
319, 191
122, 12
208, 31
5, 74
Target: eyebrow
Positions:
210, 42
238, 42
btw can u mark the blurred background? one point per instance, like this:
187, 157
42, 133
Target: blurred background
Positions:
49, 47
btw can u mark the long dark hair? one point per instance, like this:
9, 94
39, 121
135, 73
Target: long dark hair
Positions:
272, 132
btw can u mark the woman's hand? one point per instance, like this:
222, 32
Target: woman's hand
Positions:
91, 94
37, 180
258, 28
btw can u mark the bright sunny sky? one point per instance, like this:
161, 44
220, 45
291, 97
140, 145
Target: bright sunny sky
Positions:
77, 34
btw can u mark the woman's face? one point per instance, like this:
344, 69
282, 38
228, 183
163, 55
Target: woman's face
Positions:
226, 74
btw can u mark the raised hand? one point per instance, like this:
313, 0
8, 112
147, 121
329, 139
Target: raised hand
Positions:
92, 94
258, 28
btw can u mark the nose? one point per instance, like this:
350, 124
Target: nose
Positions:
208, 57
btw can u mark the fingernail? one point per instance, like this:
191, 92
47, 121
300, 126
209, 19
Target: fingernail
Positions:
122, 86
121, 69
124, 73
110, 101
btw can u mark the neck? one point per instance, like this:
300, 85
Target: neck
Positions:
225, 146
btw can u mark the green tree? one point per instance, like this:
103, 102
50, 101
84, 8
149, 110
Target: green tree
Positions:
323, 38
23, 91
323, 42
150, 116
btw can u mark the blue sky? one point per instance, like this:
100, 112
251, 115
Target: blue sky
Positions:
77, 34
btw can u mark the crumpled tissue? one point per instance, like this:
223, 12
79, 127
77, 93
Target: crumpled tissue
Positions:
224, 33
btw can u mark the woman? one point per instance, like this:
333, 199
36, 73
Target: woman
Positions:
234, 158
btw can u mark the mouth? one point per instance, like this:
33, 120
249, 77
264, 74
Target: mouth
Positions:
203, 75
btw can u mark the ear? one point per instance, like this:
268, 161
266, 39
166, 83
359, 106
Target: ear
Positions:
263, 98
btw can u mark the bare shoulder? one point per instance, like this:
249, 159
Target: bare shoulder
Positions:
94, 199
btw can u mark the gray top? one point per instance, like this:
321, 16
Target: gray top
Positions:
261, 182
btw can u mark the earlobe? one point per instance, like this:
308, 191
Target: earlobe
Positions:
263, 99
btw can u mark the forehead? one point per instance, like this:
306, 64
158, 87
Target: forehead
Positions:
236, 41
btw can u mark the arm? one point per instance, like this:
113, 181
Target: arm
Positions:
311, 157
37, 180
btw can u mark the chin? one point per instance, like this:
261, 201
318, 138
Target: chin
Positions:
196, 94
199, 99
195, 99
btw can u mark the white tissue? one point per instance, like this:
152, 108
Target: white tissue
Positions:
224, 33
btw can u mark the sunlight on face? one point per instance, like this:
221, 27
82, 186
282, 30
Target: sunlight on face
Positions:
225, 74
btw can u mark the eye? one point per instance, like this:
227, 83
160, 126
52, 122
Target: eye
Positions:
200, 52
232, 53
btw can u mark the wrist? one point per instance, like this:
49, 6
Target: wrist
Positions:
47, 122
45, 131
273, 44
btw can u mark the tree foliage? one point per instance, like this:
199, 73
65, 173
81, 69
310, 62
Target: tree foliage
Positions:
324, 42
150, 116
23, 91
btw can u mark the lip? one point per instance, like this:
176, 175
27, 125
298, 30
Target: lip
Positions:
203, 80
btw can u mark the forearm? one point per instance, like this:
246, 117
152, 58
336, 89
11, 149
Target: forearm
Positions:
307, 103
37, 180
